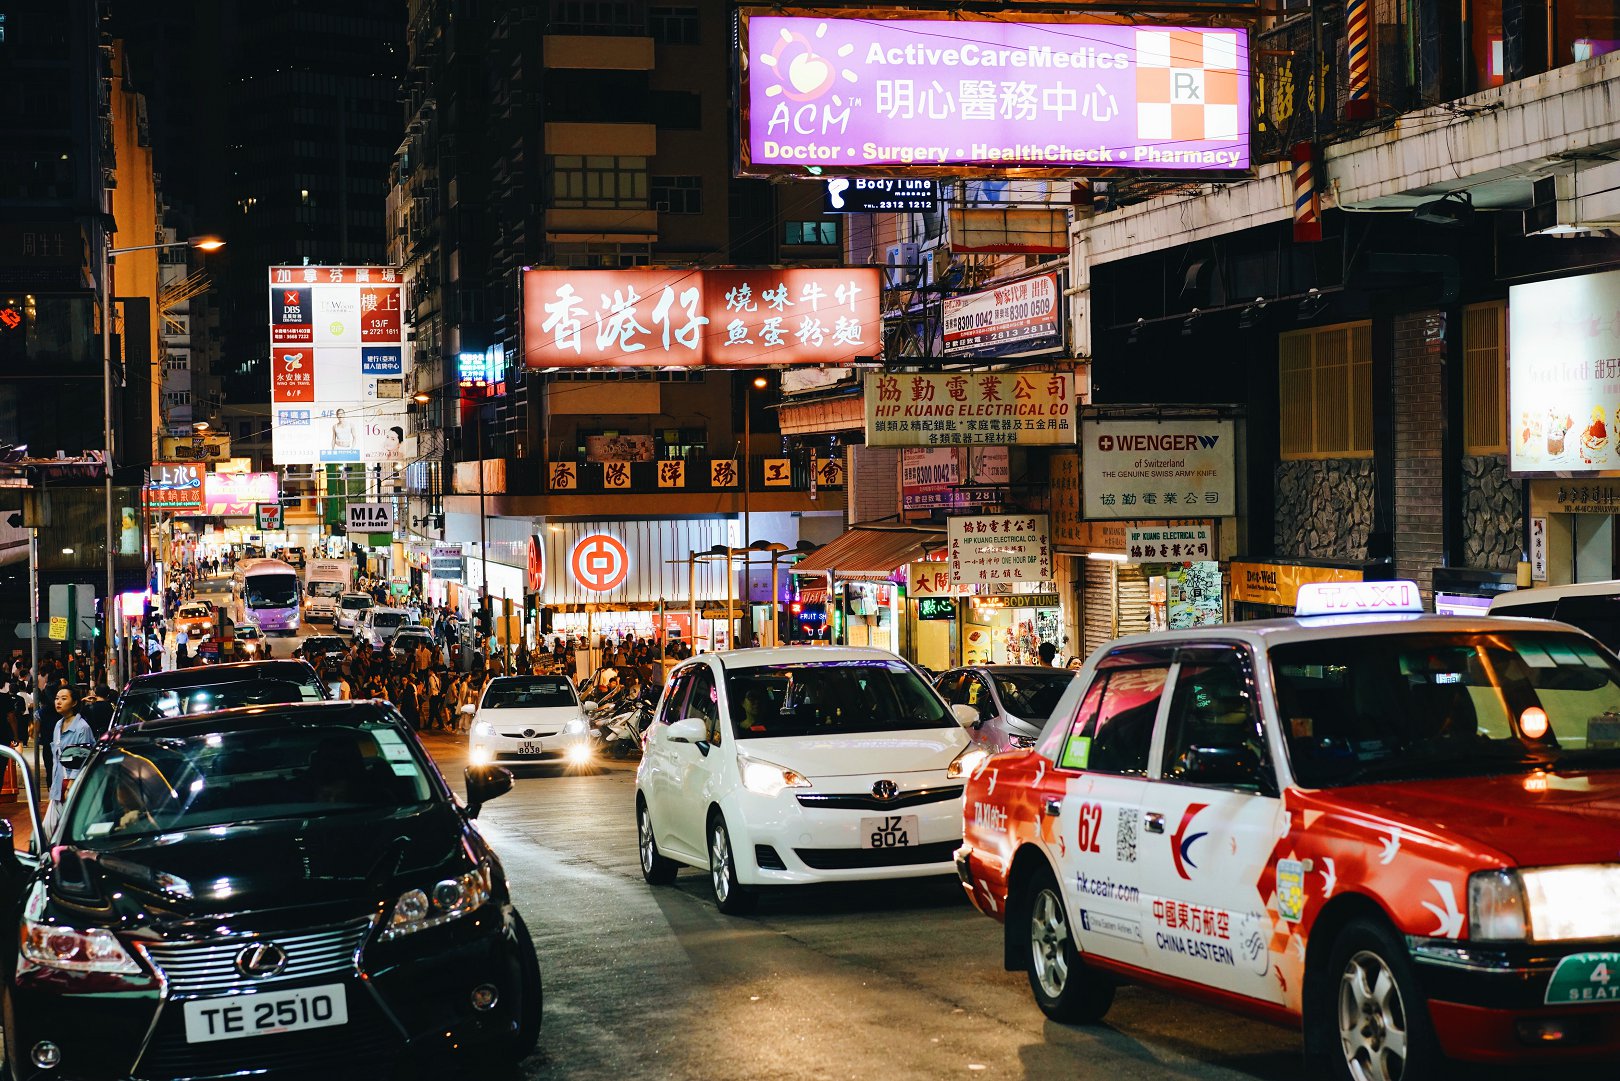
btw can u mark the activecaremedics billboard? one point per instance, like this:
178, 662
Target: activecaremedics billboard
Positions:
916, 95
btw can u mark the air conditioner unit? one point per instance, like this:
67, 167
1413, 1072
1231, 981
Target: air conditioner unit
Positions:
900, 266
927, 277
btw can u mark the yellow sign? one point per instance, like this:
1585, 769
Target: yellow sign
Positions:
564, 476
1278, 583
671, 474
723, 473
58, 629
778, 472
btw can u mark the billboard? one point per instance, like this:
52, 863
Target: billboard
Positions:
235, 495
940, 97
174, 486
337, 365
1148, 468
1563, 381
1015, 317
732, 318
942, 409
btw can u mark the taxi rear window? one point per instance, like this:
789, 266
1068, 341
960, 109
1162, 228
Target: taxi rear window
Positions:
1422, 706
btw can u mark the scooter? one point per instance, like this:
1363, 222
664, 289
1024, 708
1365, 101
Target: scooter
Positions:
617, 726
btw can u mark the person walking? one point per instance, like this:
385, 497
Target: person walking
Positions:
70, 730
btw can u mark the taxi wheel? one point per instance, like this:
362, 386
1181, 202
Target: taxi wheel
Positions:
1372, 1022
1064, 988
730, 896
656, 868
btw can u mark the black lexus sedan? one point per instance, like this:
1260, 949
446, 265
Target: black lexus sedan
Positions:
277, 890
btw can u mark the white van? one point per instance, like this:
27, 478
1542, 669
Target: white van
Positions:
1594, 607
325, 580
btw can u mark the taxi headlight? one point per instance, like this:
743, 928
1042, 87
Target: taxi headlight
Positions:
484, 728
575, 727
767, 778
1495, 906
1578, 902
47, 945
965, 763
446, 900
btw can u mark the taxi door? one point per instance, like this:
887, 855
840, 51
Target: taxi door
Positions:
1209, 822
1103, 763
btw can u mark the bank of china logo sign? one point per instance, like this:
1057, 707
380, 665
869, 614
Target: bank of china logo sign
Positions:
803, 71
599, 563
1186, 86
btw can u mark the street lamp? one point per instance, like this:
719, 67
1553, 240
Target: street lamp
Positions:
206, 243
759, 382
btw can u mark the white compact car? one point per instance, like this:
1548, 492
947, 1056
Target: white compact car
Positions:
351, 608
528, 720
798, 765
377, 627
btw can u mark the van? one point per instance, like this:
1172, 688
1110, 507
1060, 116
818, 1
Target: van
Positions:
325, 580
1594, 607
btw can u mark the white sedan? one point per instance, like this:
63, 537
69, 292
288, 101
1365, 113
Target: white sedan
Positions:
528, 720
790, 766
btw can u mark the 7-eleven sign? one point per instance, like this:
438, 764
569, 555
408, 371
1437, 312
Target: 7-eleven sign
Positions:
268, 516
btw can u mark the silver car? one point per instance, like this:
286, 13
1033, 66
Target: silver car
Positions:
1013, 700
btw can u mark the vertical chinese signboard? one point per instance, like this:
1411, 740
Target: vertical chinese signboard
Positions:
999, 549
337, 365
641, 317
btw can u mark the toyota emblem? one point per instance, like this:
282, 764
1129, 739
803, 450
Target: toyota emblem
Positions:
261, 961
885, 789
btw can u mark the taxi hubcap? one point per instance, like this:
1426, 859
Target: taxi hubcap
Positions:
1049, 939
1372, 1020
720, 862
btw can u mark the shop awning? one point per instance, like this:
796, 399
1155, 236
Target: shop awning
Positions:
872, 554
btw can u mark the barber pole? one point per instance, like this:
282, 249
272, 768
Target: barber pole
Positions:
1359, 105
1307, 204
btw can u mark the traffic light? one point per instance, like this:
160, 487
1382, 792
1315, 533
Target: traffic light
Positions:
486, 620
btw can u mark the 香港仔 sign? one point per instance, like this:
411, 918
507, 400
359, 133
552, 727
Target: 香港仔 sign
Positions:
1000, 548
944, 96
733, 318
962, 408
1158, 468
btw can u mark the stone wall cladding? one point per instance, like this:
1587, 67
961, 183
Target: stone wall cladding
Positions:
1324, 508
1492, 514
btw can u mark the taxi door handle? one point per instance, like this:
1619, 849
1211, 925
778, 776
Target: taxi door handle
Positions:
1154, 821
1054, 807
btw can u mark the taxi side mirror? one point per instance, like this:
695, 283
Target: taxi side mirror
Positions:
1219, 766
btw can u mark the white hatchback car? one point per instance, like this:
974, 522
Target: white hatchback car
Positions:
798, 765
529, 720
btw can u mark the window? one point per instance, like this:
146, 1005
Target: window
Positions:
811, 232
674, 25
677, 110
1214, 735
1325, 391
1485, 379
677, 194
587, 181
1114, 728
704, 702
604, 17
601, 255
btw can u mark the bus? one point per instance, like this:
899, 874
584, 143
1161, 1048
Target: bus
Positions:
267, 595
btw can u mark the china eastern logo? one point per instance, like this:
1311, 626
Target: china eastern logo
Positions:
805, 69
1181, 842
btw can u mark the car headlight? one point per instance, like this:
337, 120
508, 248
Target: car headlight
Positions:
1495, 906
449, 899
575, 727
767, 778
207, 626
484, 728
964, 764
48, 945
1579, 902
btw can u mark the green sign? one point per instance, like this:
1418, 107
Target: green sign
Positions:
936, 608
1077, 755
1585, 977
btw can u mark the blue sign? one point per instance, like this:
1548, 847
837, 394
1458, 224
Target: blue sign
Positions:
292, 418
379, 360
480, 369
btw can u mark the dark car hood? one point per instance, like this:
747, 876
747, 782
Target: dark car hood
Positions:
1539, 820
347, 862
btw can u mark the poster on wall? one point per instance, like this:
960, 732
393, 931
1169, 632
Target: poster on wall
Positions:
337, 366
965, 97
952, 477
1158, 468
618, 448
1564, 376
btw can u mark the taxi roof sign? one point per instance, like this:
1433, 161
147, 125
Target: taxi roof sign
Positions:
1358, 598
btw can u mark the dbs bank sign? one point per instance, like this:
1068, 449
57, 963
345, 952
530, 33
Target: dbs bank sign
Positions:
599, 563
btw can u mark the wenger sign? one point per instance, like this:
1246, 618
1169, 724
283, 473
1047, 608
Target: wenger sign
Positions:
1158, 468
933, 96
641, 317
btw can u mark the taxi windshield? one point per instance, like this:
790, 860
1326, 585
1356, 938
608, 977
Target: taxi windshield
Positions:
1363, 710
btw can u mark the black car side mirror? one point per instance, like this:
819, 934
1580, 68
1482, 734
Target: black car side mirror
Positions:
1219, 765
76, 757
485, 783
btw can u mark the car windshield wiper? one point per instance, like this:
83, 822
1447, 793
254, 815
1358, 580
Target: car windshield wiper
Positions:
1592, 758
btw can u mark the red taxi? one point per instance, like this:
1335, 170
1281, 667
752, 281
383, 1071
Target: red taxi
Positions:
1399, 832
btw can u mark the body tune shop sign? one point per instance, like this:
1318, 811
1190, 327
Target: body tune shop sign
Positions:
863, 93
1142, 468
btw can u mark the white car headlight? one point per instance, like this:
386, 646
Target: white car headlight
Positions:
575, 727
47, 945
484, 728
767, 778
965, 763
1566, 903
452, 898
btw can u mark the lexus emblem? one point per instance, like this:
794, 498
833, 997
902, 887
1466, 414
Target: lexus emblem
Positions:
261, 960
885, 789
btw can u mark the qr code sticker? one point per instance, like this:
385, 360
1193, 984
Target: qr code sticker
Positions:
1125, 837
